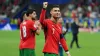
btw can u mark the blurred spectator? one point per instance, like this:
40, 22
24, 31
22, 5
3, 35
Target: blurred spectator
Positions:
75, 31
3, 15
71, 6
84, 10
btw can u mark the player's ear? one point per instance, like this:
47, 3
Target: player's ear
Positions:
30, 14
51, 12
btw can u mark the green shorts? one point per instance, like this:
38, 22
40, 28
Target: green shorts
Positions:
50, 54
27, 52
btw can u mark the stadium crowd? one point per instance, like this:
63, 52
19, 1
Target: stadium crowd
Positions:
87, 11
87, 14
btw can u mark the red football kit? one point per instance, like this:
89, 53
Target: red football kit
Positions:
27, 34
53, 35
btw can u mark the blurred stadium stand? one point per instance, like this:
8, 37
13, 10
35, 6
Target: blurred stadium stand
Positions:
10, 11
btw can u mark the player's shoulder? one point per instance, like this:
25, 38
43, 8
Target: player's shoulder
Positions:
30, 22
20, 24
47, 20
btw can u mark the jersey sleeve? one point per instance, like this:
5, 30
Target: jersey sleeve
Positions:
42, 18
63, 42
33, 26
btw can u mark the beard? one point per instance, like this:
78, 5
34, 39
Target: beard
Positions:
34, 18
56, 18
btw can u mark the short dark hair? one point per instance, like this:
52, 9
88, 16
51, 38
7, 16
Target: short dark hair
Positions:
23, 13
55, 6
30, 11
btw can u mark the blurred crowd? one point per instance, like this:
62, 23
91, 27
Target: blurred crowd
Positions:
9, 8
86, 11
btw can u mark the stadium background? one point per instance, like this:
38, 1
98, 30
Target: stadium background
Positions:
10, 18
84, 10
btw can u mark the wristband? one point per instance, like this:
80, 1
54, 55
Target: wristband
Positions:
67, 52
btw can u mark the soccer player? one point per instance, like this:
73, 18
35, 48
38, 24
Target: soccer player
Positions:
53, 32
28, 29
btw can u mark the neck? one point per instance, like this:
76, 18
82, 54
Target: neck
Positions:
29, 18
54, 20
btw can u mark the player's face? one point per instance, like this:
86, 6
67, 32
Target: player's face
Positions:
34, 15
55, 12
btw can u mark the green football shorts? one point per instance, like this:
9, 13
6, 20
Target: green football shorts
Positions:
27, 52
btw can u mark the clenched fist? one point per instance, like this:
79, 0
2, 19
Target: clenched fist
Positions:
37, 23
45, 4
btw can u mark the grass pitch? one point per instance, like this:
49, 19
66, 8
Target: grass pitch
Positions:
90, 43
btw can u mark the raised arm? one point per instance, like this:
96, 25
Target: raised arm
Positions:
43, 12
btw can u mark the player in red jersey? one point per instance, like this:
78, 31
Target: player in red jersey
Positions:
52, 31
28, 29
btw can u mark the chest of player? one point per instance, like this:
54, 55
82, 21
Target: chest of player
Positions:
54, 29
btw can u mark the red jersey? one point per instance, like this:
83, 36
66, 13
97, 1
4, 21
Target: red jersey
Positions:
53, 35
27, 34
